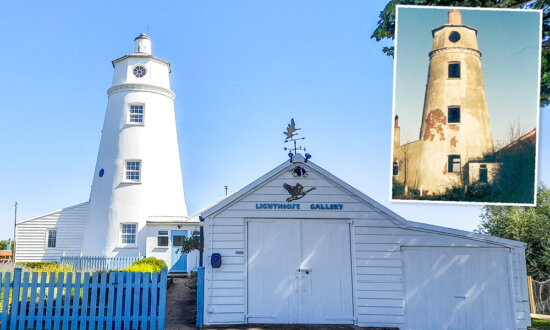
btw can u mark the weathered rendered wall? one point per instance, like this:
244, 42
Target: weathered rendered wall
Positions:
407, 156
472, 137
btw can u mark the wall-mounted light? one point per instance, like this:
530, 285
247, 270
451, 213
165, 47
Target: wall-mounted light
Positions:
308, 156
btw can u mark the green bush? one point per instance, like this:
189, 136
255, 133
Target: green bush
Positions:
147, 265
143, 268
49, 267
151, 261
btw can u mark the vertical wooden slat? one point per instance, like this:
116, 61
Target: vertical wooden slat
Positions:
32, 303
119, 287
23, 306
531, 295
5, 303
49, 305
15, 298
162, 297
127, 299
85, 296
154, 289
145, 300
58, 300
76, 301
67, 305
93, 303
41, 300
136, 301
101, 312
111, 303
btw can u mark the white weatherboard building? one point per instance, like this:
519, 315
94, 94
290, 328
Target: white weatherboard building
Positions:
335, 256
137, 204
294, 248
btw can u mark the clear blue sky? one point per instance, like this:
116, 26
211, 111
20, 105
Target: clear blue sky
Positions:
241, 70
509, 44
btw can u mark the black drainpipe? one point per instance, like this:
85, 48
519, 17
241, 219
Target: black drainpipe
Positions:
201, 219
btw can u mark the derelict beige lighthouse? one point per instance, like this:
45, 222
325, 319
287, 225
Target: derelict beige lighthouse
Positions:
455, 125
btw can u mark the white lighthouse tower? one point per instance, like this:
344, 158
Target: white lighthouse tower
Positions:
138, 170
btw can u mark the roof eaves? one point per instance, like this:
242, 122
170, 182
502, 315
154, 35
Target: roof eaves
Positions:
230, 199
465, 234
54, 212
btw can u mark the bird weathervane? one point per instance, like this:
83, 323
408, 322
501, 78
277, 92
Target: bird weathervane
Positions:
291, 137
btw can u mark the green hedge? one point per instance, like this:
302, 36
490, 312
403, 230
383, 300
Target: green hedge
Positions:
147, 265
48, 267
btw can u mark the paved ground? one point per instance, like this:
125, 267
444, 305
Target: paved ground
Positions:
181, 305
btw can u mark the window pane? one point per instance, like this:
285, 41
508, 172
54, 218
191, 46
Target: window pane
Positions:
454, 164
454, 115
395, 168
162, 241
454, 70
177, 240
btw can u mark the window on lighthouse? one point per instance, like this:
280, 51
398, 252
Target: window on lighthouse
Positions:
133, 170
128, 233
135, 115
454, 164
454, 70
453, 115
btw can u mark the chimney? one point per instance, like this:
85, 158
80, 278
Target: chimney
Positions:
396, 133
454, 17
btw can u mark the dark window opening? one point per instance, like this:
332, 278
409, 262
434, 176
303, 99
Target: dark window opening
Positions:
178, 240
453, 115
162, 241
454, 70
395, 168
454, 164
482, 173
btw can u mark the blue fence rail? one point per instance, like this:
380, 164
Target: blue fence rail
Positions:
115, 300
98, 264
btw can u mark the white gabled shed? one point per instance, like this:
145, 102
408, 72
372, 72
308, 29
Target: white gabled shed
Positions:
332, 255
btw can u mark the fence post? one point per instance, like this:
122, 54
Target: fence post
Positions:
200, 296
15, 297
531, 295
162, 298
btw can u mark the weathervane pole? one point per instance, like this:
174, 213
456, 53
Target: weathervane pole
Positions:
290, 137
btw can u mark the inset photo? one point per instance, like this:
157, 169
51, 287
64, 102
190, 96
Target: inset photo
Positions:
466, 104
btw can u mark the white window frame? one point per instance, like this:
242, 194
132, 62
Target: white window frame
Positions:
167, 235
48, 238
125, 177
129, 114
121, 243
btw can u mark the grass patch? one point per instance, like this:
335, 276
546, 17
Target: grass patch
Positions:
538, 323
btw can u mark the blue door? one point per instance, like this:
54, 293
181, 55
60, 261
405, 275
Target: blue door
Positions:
179, 259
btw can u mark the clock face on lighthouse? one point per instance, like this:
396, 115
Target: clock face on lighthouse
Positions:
139, 71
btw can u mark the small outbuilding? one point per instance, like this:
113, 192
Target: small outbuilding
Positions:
300, 246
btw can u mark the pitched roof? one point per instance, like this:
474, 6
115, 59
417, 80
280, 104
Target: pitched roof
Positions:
389, 214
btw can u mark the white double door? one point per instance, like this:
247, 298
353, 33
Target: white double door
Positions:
299, 271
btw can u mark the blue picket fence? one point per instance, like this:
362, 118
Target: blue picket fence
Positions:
98, 264
115, 300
